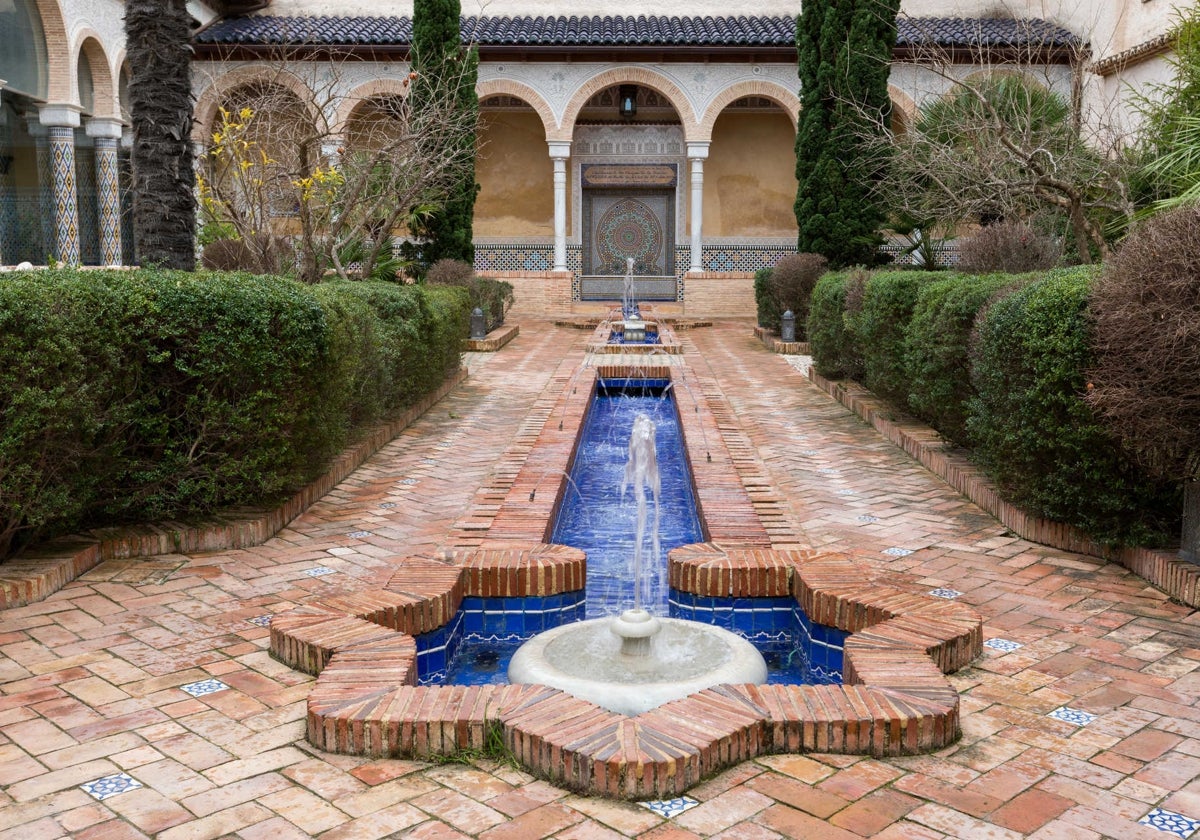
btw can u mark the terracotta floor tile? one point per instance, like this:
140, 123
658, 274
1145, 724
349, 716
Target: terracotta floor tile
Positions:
89, 681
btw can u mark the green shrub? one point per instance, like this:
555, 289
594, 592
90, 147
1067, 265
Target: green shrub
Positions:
830, 338
936, 349
880, 328
231, 411
66, 395
408, 330
131, 396
764, 301
1037, 438
492, 297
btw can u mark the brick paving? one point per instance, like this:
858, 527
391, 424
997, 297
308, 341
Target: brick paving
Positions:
91, 679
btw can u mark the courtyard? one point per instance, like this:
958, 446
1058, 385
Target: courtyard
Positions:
1079, 719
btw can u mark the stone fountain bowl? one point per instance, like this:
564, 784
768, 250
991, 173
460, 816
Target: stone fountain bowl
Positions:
636, 662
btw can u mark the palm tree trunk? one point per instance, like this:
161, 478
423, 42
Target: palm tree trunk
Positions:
158, 40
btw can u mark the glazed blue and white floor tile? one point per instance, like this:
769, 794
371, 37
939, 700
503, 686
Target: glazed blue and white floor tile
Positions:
897, 552
1077, 717
318, 571
203, 687
1171, 822
358, 535
668, 808
260, 620
1002, 645
948, 594
107, 786
867, 518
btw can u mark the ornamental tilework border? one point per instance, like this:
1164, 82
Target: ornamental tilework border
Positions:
526, 257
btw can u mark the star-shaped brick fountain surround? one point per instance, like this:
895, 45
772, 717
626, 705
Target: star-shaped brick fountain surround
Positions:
894, 700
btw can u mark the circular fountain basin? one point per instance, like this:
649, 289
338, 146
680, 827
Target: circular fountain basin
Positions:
589, 660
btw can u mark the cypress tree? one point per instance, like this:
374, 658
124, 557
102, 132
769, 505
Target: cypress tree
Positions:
844, 50
446, 71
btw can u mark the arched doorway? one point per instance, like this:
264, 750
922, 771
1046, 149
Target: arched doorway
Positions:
629, 155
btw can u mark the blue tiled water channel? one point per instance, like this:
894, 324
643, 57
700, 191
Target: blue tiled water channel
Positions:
476, 646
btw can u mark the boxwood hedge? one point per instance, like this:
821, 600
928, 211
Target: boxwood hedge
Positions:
139, 395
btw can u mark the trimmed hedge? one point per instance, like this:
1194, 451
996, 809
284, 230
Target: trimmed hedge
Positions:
1006, 377
936, 349
764, 301
834, 349
881, 326
1037, 438
132, 396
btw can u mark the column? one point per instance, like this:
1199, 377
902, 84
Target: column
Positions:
560, 150
106, 135
697, 152
8, 198
62, 120
45, 193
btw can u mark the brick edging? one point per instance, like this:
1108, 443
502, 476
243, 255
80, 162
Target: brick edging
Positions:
494, 340
895, 700
1177, 578
51, 566
775, 344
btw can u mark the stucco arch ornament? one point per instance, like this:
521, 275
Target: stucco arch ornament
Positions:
777, 93
632, 74
226, 84
522, 91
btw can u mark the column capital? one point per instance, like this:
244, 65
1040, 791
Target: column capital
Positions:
60, 115
559, 148
697, 150
105, 128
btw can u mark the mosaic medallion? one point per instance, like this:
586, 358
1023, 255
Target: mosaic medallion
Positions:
629, 228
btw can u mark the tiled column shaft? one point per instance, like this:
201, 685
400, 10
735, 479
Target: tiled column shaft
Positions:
559, 152
697, 152
66, 205
8, 208
109, 198
41, 138
62, 120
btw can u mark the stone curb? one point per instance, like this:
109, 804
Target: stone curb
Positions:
1179, 579
777, 345
53, 565
494, 340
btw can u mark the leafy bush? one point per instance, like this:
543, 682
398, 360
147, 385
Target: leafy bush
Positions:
936, 349
1010, 247
830, 339
764, 301
1037, 437
141, 395
880, 328
65, 388
493, 297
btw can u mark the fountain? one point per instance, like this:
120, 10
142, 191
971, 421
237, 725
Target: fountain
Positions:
636, 661
633, 328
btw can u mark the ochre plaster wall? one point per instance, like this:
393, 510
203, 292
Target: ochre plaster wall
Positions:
515, 175
749, 177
